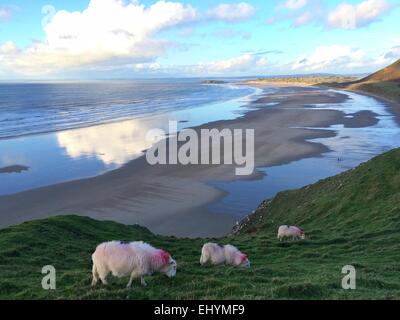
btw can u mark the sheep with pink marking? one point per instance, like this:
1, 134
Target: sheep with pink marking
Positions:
293, 232
130, 259
217, 254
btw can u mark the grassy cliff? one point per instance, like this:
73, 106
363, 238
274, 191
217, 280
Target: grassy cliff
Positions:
384, 83
352, 218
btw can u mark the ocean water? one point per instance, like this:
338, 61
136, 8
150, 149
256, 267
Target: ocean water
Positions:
68, 131
32, 108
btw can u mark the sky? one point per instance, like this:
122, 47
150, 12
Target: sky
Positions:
97, 39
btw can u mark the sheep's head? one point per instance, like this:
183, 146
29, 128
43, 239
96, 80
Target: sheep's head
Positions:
302, 235
244, 261
168, 264
170, 268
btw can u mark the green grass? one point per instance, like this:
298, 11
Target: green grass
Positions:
384, 83
386, 89
352, 218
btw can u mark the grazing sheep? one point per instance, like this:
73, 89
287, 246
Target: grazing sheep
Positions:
134, 259
287, 231
217, 254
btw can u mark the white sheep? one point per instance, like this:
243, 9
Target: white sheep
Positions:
217, 254
287, 231
133, 259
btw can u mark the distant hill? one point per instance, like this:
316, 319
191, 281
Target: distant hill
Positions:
390, 73
306, 80
350, 219
384, 83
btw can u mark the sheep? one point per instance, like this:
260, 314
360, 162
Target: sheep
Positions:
287, 231
217, 254
134, 259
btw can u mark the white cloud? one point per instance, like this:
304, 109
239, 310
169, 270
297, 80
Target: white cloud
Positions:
393, 53
295, 4
106, 33
347, 16
228, 33
303, 19
299, 12
5, 13
232, 12
388, 57
333, 57
246, 62
8, 47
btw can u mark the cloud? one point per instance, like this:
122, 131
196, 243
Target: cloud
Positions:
393, 53
303, 19
246, 62
299, 12
328, 58
107, 33
228, 33
387, 57
5, 13
263, 52
295, 4
232, 12
347, 16
8, 47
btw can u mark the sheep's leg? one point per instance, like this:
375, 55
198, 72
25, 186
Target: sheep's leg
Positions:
104, 279
143, 283
134, 275
102, 274
95, 275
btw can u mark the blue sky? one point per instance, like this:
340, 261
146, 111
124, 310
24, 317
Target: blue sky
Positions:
122, 38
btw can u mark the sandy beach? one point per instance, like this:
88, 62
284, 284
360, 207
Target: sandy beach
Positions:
173, 199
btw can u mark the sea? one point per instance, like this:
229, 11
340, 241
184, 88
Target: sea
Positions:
64, 131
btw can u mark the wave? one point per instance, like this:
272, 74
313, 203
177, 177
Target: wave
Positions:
34, 108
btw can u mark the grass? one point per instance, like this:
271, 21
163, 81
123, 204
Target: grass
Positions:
386, 89
384, 83
352, 218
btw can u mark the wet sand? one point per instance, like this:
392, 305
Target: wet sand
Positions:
173, 199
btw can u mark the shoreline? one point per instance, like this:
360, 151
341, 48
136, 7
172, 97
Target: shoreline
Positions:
394, 106
131, 117
173, 200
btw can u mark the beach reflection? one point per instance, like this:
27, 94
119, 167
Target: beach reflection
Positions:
86, 152
113, 144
